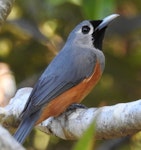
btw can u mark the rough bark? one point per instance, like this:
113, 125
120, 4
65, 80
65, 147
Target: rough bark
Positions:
7, 142
5, 8
111, 121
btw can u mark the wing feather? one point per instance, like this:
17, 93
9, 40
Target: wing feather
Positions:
59, 77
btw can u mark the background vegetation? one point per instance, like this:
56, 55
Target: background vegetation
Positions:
36, 30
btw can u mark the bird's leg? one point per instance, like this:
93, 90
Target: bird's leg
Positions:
75, 106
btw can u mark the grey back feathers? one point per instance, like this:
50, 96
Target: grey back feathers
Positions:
74, 63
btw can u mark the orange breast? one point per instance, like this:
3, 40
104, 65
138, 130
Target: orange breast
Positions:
73, 95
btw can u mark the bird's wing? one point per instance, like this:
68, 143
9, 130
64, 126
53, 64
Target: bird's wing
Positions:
60, 78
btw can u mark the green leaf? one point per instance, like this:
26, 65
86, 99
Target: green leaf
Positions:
87, 140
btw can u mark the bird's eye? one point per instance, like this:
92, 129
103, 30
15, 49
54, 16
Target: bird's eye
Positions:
85, 29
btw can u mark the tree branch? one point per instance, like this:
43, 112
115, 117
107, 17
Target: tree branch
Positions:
5, 8
7, 142
111, 121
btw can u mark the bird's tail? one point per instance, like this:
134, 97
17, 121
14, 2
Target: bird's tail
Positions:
25, 128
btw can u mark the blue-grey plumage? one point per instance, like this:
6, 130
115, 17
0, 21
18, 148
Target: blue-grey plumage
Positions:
75, 63
26, 126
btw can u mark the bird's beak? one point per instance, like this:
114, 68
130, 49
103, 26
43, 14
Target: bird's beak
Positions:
106, 21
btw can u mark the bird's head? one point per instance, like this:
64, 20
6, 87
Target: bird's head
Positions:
90, 32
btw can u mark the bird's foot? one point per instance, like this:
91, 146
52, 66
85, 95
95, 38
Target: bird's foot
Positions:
75, 106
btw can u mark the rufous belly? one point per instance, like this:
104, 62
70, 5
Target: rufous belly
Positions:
73, 95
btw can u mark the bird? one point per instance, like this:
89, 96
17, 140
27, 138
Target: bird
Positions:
69, 77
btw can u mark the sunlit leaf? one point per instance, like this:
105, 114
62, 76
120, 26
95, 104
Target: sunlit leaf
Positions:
87, 140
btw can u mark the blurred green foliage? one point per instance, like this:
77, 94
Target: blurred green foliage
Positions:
36, 30
86, 142
94, 9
